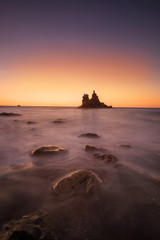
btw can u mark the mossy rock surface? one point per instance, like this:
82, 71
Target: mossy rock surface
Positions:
35, 226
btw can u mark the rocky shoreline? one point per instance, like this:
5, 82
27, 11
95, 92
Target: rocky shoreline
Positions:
106, 199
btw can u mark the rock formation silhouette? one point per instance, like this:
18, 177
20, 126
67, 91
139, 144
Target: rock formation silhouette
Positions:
93, 102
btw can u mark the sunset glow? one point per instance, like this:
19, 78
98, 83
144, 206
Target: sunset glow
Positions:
57, 71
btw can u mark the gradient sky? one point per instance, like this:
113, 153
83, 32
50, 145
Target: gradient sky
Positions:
54, 51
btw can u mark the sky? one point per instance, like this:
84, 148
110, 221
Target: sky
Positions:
54, 51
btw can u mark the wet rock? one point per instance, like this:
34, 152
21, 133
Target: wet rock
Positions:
59, 120
30, 122
106, 158
21, 234
47, 150
34, 226
125, 146
89, 135
78, 182
5, 114
89, 148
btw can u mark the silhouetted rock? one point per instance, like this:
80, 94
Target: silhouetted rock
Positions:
18, 105
34, 226
5, 114
47, 150
89, 135
89, 148
93, 102
78, 182
106, 158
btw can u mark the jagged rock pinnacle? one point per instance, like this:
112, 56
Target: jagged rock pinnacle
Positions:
93, 102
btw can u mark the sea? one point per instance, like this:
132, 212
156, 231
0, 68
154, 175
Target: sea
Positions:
126, 205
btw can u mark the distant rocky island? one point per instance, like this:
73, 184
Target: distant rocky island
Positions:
93, 102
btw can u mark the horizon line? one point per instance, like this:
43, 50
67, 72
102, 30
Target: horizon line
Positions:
65, 106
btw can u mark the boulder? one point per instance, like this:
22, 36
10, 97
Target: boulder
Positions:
89, 148
35, 226
5, 114
77, 182
106, 158
89, 135
48, 150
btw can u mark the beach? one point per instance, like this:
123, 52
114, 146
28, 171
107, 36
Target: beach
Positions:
125, 204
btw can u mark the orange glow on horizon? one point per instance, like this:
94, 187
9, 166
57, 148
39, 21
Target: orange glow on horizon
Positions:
60, 79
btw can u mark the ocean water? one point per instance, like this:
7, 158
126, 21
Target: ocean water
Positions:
127, 203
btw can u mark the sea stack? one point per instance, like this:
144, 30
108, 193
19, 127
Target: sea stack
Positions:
93, 102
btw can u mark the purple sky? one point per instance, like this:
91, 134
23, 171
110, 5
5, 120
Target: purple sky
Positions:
27, 25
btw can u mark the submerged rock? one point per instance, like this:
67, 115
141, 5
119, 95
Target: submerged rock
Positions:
78, 182
59, 120
106, 158
47, 150
35, 226
89, 148
30, 122
5, 114
125, 146
89, 135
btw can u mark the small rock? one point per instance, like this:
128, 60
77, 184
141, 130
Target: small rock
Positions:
125, 146
30, 122
78, 182
89, 135
5, 114
59, 120
106, 158
47, 150
89, 148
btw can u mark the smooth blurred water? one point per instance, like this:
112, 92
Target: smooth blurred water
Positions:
130, 185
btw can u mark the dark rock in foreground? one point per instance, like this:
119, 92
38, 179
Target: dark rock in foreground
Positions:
89, 135
47, 150
106, 158
78, 182
93, 102
35, 226
89, 148
5, 114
